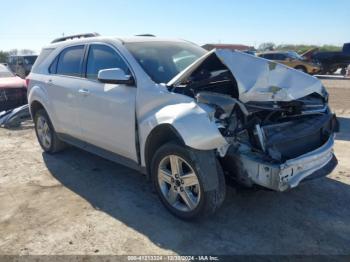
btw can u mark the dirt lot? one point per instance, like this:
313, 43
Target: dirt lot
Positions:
77, 203
339, 95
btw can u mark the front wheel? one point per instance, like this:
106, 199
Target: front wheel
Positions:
180, 183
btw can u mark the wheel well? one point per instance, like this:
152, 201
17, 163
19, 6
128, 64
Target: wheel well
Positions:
159, 136
34, 107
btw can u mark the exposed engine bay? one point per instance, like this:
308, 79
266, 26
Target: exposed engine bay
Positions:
280, 131
267, 132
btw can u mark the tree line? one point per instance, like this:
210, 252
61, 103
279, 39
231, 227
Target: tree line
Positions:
269, 46
4, 55
262, 47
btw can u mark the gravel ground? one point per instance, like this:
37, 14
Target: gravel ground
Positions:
339, 95
78, 203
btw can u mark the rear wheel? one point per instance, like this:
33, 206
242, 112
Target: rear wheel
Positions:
179, 182
46, 134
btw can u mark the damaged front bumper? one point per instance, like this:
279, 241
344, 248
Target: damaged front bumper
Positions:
251, 169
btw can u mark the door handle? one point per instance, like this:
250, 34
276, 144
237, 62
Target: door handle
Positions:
84, 91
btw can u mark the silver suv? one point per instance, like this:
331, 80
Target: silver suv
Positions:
187, 118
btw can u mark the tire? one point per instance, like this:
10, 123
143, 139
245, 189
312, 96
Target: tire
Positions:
200, 198
45, 130
301, 68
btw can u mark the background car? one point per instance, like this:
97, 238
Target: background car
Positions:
292, 59
331, 61
13, 91
21, 64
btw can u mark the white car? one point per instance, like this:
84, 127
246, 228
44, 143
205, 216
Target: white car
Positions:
185, 117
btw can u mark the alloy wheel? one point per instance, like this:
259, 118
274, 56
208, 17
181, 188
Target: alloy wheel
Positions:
44, 132
179, 183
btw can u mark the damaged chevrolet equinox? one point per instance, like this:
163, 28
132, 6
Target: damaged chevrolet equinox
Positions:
189, 119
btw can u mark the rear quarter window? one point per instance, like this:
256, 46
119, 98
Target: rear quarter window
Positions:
41, 58
53, 66
11, 60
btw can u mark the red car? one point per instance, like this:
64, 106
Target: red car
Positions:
13, 90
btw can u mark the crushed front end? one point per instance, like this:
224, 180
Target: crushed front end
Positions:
278, 145
276, 121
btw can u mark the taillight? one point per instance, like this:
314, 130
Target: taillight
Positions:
27, 82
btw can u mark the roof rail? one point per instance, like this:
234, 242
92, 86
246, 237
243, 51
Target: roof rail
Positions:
64, 38
150, 35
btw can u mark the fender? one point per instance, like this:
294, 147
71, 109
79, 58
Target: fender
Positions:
190, 120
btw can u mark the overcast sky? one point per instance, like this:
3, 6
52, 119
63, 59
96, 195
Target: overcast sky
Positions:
33, 24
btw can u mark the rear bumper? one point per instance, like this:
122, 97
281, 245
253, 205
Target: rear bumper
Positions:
280, 177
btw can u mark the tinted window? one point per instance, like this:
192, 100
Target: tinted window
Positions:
69, 62
29, 60
103, 57
267, 56
294, 55
20, 60
280, 57
346, 48
43, 55
53, 66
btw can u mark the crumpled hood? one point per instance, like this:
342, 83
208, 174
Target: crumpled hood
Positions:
259, 79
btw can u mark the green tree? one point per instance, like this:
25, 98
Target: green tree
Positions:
13, 52
26, 52
3, 56
268, 46
303, 48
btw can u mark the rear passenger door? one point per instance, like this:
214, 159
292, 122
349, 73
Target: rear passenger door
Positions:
63, 84
107, 111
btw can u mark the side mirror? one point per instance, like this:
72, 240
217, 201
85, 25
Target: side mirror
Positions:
115, 76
